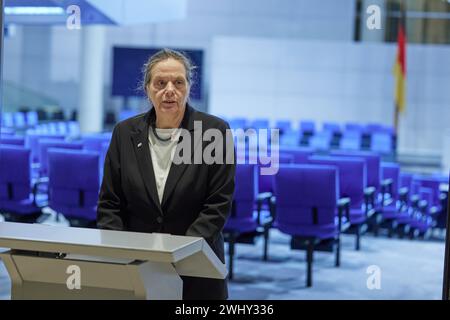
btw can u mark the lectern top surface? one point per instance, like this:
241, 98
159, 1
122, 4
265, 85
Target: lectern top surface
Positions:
39, 237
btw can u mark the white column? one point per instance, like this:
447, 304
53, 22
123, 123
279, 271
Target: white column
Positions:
446, 152
90, 111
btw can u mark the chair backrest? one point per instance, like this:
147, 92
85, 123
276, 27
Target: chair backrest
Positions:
19, 119
406, 180
265, 182
300, 154
321, 141
351, 140
354, 126
46, 144
373, 127
381, 142
7, 119
307, 127
283, 125
12, 140
73, 180
352, 176
391, 171
32, 142
73, 128
290, 138
238, 123
32, 118
373, 162
432, 183
7, 131
94, 142
332, 127
306, 195
427, 195
246, 181
15, 182
260, 124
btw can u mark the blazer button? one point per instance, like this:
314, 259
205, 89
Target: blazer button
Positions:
159, 219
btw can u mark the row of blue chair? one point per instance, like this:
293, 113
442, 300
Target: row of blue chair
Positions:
310, 127
362, 192
50, 163
19, 119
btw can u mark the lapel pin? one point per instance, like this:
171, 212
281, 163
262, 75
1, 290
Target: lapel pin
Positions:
139, 144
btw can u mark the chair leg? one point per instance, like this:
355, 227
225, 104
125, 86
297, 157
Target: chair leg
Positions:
231, 244
338, 252
309, 261
358, 238
266, 243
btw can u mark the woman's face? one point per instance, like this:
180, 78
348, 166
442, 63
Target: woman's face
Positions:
168, 89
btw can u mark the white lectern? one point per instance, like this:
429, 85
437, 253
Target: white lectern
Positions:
43, 261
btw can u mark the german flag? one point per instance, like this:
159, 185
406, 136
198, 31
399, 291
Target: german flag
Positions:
400, 64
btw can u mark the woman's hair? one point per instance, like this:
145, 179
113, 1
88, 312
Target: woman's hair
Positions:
162, 55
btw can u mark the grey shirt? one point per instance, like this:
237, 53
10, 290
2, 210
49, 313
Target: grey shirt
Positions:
162, 153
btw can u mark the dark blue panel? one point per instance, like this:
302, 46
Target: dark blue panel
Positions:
127, 70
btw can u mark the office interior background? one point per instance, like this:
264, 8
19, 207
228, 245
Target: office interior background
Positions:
313, 69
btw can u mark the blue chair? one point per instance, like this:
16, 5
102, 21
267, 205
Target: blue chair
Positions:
126, 114
438, 202
12, 140
19, 120
19, 199
373, 189
299, 155
352, 183
351, 140
32, 118
321, 141
260, 124
7, 120
395, 211
238, 123
7, 131
354, 126
332, 127
284, 126
382, 143
46, 144
32, 142
94, 142
244, 224
307, 198
73, 128
373, 127
290, 138
307, 129
335, 131
73, 185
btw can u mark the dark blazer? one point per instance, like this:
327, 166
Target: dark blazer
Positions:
196, 200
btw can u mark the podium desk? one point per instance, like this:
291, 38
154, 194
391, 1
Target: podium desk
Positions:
49, 262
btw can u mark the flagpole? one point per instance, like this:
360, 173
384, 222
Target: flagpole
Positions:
396, 119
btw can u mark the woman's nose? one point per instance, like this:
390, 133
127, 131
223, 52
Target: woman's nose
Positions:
170, 87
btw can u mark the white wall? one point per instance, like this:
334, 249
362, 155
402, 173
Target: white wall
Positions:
57, 59
332, 81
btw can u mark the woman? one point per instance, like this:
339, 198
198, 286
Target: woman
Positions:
144, 190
